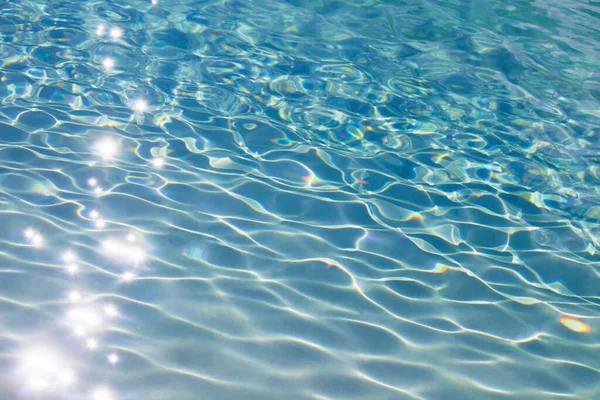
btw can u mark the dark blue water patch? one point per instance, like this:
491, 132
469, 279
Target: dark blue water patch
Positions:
522, 204
8, 26
483, 173
12, 134
79, 72
479, 236
16, 84
66, 36
471, 214
489, 202
404, 192
575, 277
174, 38
52, 56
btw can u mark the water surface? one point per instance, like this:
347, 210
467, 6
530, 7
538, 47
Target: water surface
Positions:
299, 199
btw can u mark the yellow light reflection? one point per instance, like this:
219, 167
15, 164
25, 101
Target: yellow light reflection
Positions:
441, 268
415, 217
574, 324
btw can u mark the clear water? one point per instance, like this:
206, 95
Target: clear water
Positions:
259, 199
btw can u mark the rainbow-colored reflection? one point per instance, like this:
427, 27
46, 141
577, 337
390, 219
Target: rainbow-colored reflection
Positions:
574, 324
441, 268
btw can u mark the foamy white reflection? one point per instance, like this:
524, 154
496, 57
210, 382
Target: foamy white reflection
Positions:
116, 248
107, 148
46, 370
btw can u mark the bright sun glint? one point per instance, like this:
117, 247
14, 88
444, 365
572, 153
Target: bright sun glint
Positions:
45, 369
116, 32
108, 63
126, 252
85, 317
110, 310
69, 256
102, 394
128, 276
158, 163
74, 295
140, 105
107, 148
92, 344
113, 358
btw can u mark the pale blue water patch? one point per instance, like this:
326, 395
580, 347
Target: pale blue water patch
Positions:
299, 199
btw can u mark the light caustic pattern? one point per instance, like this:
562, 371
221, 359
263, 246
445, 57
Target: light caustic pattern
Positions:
299, 200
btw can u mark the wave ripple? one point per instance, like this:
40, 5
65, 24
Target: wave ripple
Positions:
302, 200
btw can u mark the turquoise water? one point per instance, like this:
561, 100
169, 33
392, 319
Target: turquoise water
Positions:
299, 200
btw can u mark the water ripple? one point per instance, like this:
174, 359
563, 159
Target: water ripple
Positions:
304, 200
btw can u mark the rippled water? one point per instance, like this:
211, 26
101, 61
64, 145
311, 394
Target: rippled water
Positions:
257, 199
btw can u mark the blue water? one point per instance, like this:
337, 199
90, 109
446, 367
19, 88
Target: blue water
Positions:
268, 199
